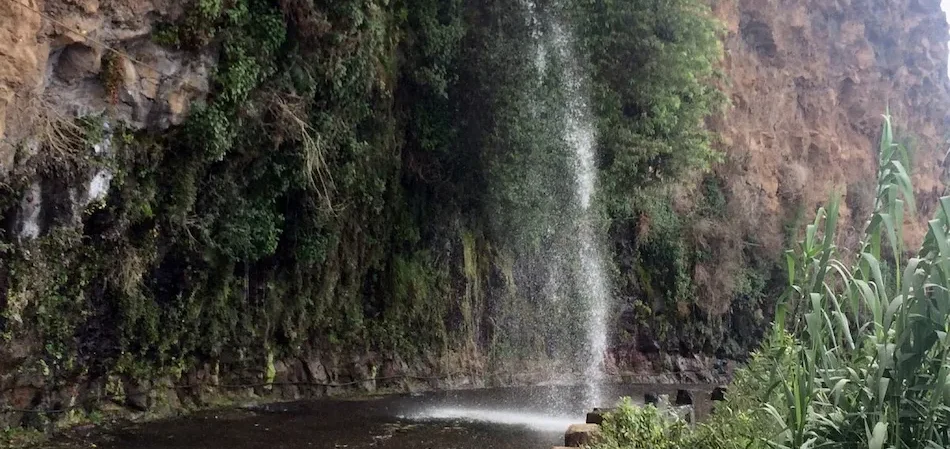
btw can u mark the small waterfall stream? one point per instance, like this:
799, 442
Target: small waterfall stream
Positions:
579, 134
564, 271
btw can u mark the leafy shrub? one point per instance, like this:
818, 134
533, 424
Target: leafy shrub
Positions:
632, 427
210, 130
653, 67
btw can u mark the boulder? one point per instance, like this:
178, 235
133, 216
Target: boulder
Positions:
579, 435
663, 402
137, 394
685, 413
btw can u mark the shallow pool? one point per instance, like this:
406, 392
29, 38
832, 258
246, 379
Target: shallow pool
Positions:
523, 418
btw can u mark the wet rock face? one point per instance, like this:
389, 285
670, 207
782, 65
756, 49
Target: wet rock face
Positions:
809, 80
28, 223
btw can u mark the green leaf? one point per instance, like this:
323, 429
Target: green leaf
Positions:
895, 304
878, 435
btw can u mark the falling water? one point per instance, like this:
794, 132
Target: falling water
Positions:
560, 165
578, 133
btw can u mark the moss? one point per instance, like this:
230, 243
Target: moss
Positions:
469, 261
663, 249
646, 284
470, 303
196, 29
415, 319
714, 201
270, 373
48, 289
17, 437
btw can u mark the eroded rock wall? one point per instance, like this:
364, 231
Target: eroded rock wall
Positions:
63, 59
21, 65
809, 83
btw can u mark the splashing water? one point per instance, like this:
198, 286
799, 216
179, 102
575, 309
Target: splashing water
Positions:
535, 421
573, 263
578, 133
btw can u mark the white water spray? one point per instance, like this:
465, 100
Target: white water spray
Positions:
578, 132
573, 264
535, 421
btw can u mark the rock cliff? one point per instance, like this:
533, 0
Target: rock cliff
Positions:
809, 84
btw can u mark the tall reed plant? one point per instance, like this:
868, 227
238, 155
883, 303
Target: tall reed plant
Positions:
869, 336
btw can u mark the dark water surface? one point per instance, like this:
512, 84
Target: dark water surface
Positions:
504, 418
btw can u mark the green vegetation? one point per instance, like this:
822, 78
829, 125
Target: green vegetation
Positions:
871, 348
653, 66
633, 427
366, 176
858, 357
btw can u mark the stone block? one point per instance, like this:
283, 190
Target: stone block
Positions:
579, 435
684, 413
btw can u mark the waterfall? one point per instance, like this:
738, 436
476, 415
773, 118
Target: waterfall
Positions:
579, 134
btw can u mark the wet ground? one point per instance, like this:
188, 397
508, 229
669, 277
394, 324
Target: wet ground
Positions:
504, 418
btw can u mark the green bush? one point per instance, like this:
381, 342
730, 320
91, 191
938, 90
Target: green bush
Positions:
633, 427
652, 66
864, 364
858, 358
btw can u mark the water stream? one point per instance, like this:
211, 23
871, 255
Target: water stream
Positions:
554, 38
